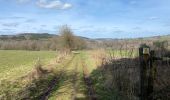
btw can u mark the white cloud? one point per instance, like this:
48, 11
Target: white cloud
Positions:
55, 4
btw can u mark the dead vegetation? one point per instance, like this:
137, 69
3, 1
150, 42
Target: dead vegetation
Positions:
116, 80
37, 79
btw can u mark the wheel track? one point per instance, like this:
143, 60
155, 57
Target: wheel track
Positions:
88, 82
68, 90
91, 95
53, 83
74, 82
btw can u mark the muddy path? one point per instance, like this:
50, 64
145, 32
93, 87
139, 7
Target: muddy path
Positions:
54, 82
73, 86
75, 82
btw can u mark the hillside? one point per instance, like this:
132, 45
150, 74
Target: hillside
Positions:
39, 36
49, 41
27, 36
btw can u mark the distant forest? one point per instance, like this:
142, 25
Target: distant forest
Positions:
45, 41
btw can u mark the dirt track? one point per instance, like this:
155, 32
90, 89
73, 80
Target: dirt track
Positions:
74, 82
55, 81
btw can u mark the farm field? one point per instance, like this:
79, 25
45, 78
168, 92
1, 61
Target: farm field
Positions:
80, 75
15, 63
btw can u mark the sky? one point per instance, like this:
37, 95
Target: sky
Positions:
88, 18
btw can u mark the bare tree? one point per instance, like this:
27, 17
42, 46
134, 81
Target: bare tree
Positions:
69, 41
66, 38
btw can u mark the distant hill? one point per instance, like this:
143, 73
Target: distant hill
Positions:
27, 36
164, 37
48, 39
46, 36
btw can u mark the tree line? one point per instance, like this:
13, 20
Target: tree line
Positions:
65, 40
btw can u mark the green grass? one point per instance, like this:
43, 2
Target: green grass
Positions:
69, 81
14, 63
67, 84
89, 61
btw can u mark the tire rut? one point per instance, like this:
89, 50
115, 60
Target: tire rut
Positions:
45, 95
74, 82
88, 82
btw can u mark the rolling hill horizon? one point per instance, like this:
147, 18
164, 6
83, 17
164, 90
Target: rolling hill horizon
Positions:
48, 35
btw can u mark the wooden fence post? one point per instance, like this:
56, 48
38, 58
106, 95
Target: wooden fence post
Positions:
151, 76
144, 57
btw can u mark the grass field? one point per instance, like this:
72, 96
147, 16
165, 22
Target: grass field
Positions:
14, 64
76, 71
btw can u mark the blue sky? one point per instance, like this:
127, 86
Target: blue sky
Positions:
89, 18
